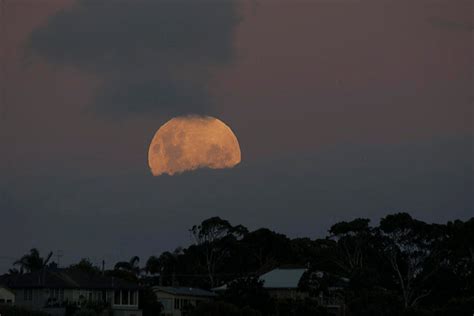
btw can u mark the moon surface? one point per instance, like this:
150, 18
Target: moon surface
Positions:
190, 142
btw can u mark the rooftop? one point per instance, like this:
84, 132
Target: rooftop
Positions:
184, 291
63, 278
282, 278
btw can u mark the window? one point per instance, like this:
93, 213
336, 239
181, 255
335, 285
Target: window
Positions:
132, 297
28, 294
124, 297
9, 302
176, 303
117, 297
2, 301
57, 294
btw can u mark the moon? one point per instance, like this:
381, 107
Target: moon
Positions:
187, 143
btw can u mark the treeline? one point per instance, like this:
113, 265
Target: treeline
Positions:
403, 266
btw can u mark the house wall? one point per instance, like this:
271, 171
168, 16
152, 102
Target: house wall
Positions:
6, 296
174, 303
30, 298
125, 303
37, 299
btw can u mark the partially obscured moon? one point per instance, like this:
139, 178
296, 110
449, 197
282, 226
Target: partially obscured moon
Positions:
191, 142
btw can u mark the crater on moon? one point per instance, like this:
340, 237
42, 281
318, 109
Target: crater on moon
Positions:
190, 142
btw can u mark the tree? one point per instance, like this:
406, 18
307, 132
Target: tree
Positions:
249, 292
85, 265
409, 246
352, 240
33, 261
131, 266
148, 302
164, 265
267, 249
14, 271
212, 235
153, 265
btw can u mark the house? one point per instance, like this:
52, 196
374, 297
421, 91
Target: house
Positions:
281, 283
51, 290
285, 283
177, 300
6, 296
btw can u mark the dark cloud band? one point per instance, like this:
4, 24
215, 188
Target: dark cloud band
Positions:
153, 55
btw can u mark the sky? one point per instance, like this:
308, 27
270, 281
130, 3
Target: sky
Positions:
342, 108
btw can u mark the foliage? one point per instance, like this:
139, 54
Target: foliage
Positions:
300, 307
249, 292
131, 266
214, 236
220, 308
86, 266
403, 266
7, 310
32, 261
148, 303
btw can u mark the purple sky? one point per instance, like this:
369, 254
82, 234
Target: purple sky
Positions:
343, 109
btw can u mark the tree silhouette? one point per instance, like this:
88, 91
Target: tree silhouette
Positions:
213, 236
131, 266
33, 261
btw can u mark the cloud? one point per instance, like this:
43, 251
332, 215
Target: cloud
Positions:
146, 96
153, 55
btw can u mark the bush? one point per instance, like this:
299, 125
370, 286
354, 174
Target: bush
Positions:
6, 310
300, 307
219, 308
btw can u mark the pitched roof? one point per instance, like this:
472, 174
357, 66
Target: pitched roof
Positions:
282, 278
184, 291
62, 278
